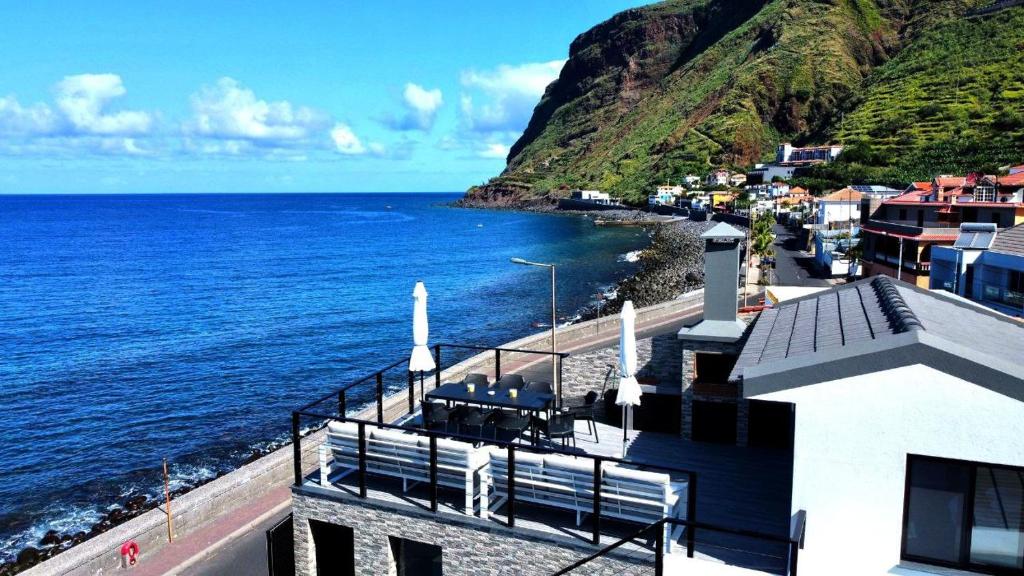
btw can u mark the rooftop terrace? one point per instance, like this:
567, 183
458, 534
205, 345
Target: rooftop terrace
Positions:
733, 503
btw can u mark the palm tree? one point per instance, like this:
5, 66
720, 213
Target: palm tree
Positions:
762, 240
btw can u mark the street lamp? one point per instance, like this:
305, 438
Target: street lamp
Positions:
554, 325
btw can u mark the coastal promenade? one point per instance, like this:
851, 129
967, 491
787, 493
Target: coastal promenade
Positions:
222, 523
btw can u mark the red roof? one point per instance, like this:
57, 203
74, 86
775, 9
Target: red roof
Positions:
951, 181
844, 195
1012, 180
921, 185
908, 197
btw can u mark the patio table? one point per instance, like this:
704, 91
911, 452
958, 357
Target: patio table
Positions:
534, 402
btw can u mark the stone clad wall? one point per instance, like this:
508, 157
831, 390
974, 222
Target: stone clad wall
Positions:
470, 546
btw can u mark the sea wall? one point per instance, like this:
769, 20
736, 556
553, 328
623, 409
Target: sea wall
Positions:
191, 511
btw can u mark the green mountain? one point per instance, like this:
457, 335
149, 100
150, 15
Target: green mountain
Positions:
911, 87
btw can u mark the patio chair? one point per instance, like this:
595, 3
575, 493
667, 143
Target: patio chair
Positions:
509, 381
478, 379
560, 426
586, 412
435, 415
471, 420
510, 424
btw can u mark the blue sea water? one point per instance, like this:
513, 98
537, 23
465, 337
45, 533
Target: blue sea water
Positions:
186, 327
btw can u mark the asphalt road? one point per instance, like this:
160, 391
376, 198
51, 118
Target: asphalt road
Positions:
243, 556
792, 266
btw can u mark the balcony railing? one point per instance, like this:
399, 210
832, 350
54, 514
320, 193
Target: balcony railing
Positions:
655, 532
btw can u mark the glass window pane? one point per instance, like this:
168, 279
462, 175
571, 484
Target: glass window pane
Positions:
936, 509
997, 538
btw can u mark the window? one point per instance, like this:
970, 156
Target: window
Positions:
964, 515
335, 549
996, 218
903, 214
415, 558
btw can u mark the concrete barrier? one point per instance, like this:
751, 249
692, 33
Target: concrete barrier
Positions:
191, 511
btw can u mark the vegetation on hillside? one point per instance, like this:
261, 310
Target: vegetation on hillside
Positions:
682, 86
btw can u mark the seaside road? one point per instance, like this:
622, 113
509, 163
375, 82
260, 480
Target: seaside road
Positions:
235, 543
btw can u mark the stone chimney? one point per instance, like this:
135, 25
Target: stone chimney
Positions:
721, 284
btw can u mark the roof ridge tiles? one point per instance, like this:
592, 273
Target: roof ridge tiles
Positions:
896, 309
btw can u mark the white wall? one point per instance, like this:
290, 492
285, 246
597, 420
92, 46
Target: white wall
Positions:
838, 212
851, 442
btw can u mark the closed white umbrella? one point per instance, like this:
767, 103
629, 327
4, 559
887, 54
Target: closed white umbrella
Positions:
629, 390
421, 359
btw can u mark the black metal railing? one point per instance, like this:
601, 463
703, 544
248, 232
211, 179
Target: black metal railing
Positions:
793, 542
512, 448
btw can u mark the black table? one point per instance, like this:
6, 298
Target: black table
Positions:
525, 400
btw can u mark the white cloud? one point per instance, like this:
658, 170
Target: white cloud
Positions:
494, 150
346, 141
421, 107
503, 99
33, 120
229, 111
83, 98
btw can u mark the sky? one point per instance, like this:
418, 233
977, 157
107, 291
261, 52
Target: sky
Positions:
338, 96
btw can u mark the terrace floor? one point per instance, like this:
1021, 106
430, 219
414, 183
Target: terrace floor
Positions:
745, 488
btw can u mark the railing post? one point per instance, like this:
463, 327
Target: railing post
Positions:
497, 364
558, 384
362, 460
433, 473
342, 407
691, 515
412, 392
437, 364
596, 536
296, 449
380, 398
659, 543
511, 486
794, 551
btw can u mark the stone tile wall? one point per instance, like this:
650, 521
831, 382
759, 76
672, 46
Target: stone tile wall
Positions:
469, 547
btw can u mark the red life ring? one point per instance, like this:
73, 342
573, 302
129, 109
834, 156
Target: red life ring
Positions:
130, 552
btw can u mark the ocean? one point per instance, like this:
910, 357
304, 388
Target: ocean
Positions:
141, 327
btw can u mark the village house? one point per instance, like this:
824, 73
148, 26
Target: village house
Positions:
985, 265
718, 178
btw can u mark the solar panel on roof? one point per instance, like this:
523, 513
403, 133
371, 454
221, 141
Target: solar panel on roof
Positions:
974, 240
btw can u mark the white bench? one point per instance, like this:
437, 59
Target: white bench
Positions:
398, 455
567, 483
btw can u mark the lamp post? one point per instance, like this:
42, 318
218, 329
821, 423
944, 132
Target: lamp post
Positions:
554, 325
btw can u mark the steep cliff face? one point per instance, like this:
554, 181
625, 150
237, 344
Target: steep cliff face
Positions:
685, 85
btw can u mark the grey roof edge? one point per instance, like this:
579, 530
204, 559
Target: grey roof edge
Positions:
723, 231
901, 316
714, 331
951, 299
913, 348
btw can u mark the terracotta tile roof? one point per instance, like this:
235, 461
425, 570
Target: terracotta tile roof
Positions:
951, 181
844, 195
921, 185
797, 190
909, 197
1012, 180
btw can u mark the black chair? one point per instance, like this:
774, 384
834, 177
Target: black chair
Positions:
435, 415
472, 420
560, 426
586, 412
539, 387
510, 424
477, 379
509, 381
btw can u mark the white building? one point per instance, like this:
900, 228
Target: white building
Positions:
737, 180
595, 196
838, 209
718, 178
908, 443
691, 180
787, 153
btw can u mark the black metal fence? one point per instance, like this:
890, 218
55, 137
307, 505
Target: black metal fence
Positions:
655, 532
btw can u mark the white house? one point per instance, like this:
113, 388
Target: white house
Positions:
787, 153
718, 178
738, 179
595, 196
908, 427
838, 209
691, 180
